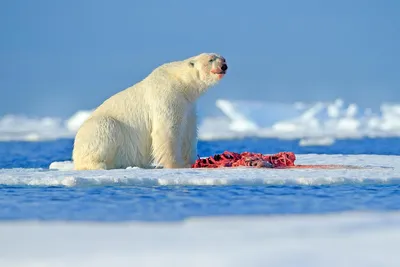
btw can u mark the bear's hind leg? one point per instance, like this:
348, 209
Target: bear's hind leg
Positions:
96, 144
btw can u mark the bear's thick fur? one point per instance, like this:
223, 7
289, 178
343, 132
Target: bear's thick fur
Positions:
153, 121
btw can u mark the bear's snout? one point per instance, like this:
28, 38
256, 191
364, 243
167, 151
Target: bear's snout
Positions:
224, 67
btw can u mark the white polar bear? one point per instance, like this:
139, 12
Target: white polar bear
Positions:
153, 121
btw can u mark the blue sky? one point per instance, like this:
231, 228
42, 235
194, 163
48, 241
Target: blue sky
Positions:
57, 57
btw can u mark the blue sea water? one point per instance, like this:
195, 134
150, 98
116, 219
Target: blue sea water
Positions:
171, 203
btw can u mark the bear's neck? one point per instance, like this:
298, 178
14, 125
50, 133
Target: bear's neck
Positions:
191, 86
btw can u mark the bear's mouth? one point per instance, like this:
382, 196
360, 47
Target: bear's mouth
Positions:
218, 72
221, 70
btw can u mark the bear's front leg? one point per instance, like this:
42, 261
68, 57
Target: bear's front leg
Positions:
167, 140
189, 138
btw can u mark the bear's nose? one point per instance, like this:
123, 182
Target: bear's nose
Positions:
224, 67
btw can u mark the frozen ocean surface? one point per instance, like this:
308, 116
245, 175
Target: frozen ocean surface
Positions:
51, 215
345, 240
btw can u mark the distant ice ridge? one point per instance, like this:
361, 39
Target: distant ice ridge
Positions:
318, 123
379, 169
18, 127
339, 239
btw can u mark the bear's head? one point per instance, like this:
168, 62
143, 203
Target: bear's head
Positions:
210, 67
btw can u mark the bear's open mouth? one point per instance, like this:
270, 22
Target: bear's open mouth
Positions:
218, 72
221, 70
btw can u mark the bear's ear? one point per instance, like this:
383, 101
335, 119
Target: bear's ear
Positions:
191, 63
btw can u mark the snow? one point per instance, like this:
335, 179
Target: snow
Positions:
377, 169
318, 123
338, 239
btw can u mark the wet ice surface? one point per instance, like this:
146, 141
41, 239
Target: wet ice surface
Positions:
376, 169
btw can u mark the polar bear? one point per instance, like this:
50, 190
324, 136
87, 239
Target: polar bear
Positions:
153, 121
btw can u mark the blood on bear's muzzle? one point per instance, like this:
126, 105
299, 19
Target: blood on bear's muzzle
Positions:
219, 65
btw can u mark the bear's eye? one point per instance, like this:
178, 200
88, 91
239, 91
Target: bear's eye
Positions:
211, 59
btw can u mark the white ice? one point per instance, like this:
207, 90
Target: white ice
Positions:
379, 169
345, 240
18, 127
318, 123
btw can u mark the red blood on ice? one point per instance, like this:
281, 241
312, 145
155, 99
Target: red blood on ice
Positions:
249, 159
